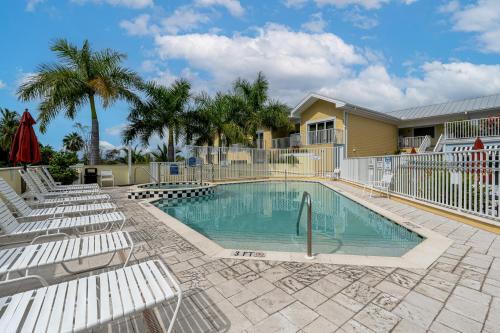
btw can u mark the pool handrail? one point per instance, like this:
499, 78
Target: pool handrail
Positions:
306, 197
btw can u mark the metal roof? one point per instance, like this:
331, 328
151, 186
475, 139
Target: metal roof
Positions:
476, 104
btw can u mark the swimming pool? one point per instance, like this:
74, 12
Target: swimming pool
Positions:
262, 216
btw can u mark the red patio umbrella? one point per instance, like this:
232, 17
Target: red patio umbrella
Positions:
25, 148
413, 151
479, 156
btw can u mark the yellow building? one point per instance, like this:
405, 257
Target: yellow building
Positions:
323, 121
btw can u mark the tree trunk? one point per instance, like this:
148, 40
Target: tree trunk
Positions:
94, 157
171, 148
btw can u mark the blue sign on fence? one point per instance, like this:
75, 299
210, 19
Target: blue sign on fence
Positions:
174, 169
192, 161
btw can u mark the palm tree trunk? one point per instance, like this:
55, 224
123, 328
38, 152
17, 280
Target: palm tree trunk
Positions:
171, 149
94, 157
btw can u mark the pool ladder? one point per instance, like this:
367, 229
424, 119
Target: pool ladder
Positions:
306, 198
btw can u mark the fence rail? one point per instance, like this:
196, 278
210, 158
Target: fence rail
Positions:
215, 163
411, 141
464, 181
463, 129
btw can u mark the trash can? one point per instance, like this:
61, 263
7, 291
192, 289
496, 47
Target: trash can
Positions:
90, 176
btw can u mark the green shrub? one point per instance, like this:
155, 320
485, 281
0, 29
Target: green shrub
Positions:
59, 167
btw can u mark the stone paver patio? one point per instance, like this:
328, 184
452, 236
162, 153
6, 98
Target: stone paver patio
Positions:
460, 292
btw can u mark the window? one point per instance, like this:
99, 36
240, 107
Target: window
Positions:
423, 131
321, 132
260, 140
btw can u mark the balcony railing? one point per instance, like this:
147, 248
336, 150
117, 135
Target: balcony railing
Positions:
295, 140
281, 143
290, 141
472, 128
331, 135
411, 141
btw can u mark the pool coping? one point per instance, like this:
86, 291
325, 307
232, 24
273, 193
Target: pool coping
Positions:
420, 257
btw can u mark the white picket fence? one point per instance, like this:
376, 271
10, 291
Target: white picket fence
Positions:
215, 163
465, 181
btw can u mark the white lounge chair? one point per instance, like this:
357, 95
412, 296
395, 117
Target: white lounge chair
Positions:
52, 185
91, 302
382, 185
107, 176
45, 191
51, 200
26, 212
21, 260
90, 223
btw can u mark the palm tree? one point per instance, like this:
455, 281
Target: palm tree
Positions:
161, 153
163, 111
216, 117
9, 122
73, 142
259, 110
81, 76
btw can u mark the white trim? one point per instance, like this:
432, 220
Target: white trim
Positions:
311, 99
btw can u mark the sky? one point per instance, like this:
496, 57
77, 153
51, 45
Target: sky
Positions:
380, 54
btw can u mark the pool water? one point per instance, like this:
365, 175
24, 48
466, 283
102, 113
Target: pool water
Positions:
263, 216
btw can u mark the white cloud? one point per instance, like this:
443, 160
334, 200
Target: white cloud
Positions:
449, 7
295, 3
139, 26
324, 63
300, 57
359, 20
367, 4
31, 5
135, 4
116, 130
2, 84
233, 6
482, 18
184, 19
408, 2
317, 24
105, 146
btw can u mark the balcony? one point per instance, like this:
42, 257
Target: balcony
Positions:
290, 141
467, 129
411, 141
331, 135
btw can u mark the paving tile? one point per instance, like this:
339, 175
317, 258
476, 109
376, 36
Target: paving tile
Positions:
402, 280
458, 322
274, 300
360, 292
407, 326
253, 312
326, 287
432, 292
392, 289
376, 318
299, 314
275, 323
229, 288
352, 326
438, 327
320, 324
310, 297
335, 312
259, 286
348, 302
276, 273
289, 284
386, 301
242, 297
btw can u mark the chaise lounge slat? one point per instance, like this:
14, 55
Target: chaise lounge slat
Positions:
90, 302
35, 256
27, 212
44, 173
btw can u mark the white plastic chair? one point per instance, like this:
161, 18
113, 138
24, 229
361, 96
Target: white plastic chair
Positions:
107, 176
86, 303
382, 185
27, 212
23, 259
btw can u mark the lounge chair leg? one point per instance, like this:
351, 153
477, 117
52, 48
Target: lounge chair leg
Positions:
27, 277
177, 307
